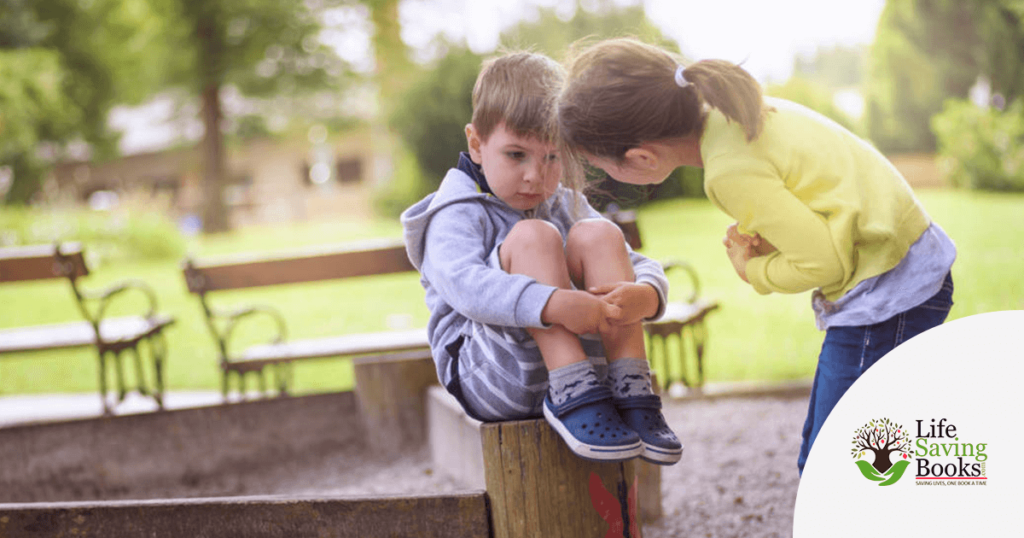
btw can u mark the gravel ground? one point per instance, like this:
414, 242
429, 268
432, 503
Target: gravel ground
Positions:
738, 476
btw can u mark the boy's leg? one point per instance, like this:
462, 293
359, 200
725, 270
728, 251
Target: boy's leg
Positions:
578, 405
597, 255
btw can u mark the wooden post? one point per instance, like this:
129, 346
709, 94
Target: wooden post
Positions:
538, 487
391, 391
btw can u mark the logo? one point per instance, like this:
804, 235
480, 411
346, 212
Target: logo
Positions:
876, 445
943, 459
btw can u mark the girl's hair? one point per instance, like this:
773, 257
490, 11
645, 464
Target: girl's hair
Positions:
622, 92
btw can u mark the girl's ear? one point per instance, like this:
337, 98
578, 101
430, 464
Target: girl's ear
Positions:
473, 143
642, 158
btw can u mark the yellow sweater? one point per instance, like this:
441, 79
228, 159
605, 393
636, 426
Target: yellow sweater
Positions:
835, 208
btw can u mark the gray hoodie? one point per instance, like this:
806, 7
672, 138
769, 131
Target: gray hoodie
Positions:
449, 236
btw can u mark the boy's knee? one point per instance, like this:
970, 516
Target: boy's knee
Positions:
531, 235
594, 234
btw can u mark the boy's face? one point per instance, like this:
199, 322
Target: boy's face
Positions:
522, 171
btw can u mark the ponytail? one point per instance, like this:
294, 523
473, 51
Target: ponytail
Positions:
621, 93
732, 90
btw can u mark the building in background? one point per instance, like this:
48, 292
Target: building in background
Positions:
270, 181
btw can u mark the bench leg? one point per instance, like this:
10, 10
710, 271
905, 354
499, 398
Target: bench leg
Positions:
103, 381
158, 350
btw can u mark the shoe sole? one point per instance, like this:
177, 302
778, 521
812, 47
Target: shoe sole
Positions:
592, 452
661, 456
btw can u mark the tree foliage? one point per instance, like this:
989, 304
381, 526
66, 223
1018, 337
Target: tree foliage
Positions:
882, 437
982, 147
927, 51
63, 65
260, 47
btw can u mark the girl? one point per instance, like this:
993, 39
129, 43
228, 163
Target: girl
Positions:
815, 206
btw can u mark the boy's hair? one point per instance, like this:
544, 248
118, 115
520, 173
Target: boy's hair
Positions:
518, 89
622, 93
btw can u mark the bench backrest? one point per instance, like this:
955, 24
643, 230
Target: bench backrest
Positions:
351, 260
41, 262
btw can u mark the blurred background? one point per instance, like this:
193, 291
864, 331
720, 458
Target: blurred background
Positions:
156, 130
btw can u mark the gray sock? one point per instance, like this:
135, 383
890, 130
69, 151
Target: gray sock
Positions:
629, 377
568, 381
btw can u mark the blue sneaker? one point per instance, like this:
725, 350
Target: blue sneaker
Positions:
591, 426
643, 415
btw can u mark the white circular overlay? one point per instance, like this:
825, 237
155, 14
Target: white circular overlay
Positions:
954, 395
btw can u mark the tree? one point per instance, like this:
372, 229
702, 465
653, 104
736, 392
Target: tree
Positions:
262, 48
927, 51
63, 65
882, 437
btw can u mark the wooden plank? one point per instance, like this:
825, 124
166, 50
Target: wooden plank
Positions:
352, 260
38, 262
494, 477
457, 516
512, 468
531, 457
545, 490
78, 333
335, 346
678, 315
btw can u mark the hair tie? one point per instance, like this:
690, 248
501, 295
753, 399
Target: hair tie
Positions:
681, 78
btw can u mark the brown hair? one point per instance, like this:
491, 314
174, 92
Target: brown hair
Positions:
622, 92
519, 89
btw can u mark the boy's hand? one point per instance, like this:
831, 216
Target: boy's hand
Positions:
580, 312
637, 301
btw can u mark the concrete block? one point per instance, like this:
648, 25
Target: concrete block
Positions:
454, 439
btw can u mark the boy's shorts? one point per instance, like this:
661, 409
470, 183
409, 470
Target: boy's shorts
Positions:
498, 372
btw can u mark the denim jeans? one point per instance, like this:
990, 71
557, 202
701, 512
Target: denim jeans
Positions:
849, 351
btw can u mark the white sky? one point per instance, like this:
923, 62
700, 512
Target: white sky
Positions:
764, 35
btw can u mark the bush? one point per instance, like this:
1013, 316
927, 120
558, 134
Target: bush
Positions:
982, 148
119, 236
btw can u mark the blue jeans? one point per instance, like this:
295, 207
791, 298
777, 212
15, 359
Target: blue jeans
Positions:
849, 351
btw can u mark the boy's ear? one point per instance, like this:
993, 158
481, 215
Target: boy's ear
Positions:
642, 157
473, 142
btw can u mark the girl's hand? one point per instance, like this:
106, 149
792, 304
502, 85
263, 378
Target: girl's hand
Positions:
580, 312
758, 245
739, 255
637, 301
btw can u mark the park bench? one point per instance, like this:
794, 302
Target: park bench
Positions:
204, 277
683, 320
111, 337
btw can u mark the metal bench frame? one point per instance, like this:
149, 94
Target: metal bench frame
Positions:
352, 260
111, 337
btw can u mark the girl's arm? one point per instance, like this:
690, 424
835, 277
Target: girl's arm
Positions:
759, 201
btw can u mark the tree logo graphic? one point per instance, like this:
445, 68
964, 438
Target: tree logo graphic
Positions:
880, 441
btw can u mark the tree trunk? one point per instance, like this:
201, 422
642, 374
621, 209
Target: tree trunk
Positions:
214, 212
882, 463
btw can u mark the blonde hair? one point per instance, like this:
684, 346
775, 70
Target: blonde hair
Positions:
518, 89
622, 92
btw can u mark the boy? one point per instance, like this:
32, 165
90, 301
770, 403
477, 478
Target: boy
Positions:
504, 262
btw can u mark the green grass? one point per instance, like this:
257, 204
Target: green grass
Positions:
751, 337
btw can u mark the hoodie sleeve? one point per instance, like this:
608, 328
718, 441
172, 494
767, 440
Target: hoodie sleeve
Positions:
455, 264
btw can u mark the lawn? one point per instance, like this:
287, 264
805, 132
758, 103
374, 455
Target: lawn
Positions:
752, 337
